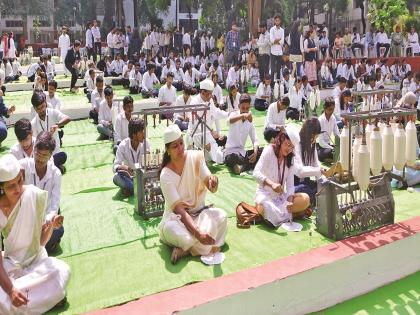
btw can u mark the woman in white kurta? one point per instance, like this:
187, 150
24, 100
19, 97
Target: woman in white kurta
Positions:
31, 281
187, 225
11, 53
275, 197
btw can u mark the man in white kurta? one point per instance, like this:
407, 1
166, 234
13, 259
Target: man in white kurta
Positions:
190, 189
64, 45
43, 279
212, 115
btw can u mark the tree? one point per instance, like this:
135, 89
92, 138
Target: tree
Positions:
387, 13
361, 4
35, 8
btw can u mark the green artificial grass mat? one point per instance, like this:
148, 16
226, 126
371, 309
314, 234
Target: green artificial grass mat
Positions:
398, 298
115, 256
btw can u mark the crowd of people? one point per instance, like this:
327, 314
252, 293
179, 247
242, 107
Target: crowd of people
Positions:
199, 66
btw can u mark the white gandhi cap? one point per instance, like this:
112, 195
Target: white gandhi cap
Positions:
9, 168
207, 85
171, 134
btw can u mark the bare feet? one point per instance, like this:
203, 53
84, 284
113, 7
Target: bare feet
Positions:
215, 249
177, 254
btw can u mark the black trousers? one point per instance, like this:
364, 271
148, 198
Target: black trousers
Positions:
236, 159
260, 104
292, 113
379, 45
325, 155
73, 77
276, 63
264, 65
96, 51
94, 115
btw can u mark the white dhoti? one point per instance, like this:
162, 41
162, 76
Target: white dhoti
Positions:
212, 221
42, 278
63, 56
190, 190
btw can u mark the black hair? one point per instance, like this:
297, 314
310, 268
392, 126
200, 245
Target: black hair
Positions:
45, 141
38, 97
127, 100
342, 80
76, 43
188, 89
53, 83
91, 71
134, 126
328, 102
170, 74
310, 128
23, 128
99, 79
231, 87
108, 91
281, 137
304, 78
345, 93
285, 101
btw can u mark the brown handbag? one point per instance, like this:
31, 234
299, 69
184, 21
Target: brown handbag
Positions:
247, 215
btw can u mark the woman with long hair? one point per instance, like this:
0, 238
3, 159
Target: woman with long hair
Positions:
187, 224
24, 264
306, 157
275, 196
310, 49
232, 100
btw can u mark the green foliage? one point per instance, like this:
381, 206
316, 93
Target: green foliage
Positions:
387, 13
25, 7
413, 20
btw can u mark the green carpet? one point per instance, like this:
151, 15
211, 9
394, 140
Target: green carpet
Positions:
115, 256
398, 298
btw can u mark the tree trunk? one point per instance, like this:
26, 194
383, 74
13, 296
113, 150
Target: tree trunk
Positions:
312, 8
362, 13
109, 8
25, 28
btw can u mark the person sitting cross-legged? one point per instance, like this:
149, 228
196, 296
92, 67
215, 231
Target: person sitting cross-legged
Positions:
24, 263
240, 127
129, 152
105, 127
121, 123
41, 172
149, 80
187, 225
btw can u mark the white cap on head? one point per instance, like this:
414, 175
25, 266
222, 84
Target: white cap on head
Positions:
9, 168
207, 85
171, 134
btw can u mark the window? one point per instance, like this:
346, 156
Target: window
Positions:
183, 6
14, 23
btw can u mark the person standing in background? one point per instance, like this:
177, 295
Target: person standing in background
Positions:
277, 41
232, 44
96, 33
63, 46
263, 44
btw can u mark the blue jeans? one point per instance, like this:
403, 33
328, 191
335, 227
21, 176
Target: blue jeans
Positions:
54, 240
3, 131
124, 181
104, 130
307, 186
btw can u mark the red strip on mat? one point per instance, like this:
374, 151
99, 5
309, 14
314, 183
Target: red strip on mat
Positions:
200, 293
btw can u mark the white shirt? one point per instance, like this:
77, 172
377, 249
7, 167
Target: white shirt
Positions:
232, 77
135, 78
277, 33
302, 171
165, 71
89, 42
126, 71
105, 113
178, 75
382, 38
186, 39
263, 90
148, 81
328, 128
118, 66
355, 38
64, 43
275, 117
52, 117
18, 151
180, 101
238, 134
32, 69
192, 78
166, 94
51, 182
218, 93
295, 98
90, 84
96, 99
7, 69
121, 128
347, 72
96, 34
54, 101
235, 106
126, 155
118, 41
110, 40
263, 43
2, 77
